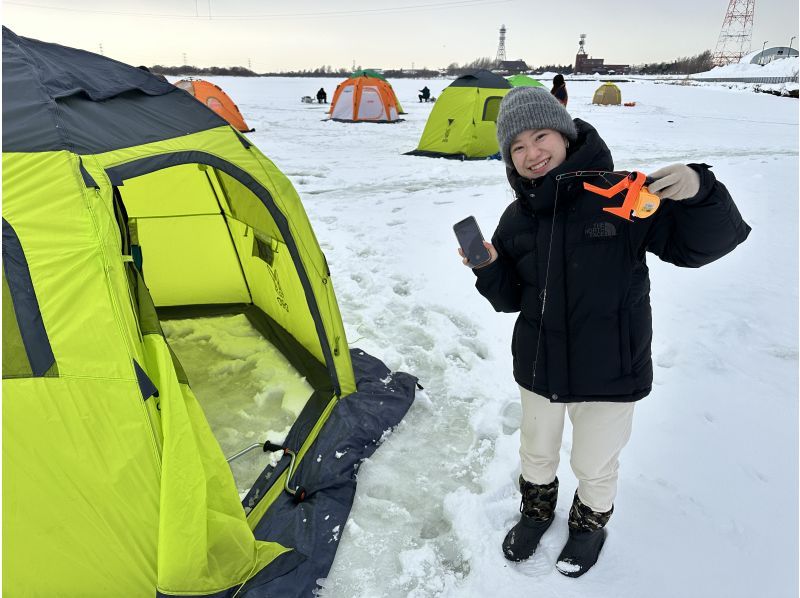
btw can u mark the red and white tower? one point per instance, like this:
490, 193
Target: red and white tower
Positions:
737, 31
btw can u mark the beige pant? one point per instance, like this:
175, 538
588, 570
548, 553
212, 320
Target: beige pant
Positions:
599, 432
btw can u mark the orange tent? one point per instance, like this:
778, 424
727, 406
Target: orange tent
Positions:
364, 99
216, 99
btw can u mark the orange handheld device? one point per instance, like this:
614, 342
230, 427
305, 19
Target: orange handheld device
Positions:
638, 202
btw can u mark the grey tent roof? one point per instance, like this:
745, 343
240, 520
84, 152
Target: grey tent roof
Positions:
57, 98
481, 78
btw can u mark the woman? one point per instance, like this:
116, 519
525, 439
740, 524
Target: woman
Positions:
578, 278
560, 90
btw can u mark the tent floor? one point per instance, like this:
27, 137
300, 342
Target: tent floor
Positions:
248, 390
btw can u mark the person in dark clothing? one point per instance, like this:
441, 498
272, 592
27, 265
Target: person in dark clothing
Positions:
424, 94
559, 90
322, 97
577, 276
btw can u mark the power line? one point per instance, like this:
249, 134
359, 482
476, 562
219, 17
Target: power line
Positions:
325, 14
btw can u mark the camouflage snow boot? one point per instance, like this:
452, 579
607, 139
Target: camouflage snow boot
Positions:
586, 537
538, 509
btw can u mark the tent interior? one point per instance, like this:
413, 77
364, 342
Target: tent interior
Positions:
230, 302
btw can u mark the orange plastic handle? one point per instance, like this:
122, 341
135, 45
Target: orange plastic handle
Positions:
638, 200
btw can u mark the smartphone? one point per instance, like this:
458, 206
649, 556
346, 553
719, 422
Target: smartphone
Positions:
471, 240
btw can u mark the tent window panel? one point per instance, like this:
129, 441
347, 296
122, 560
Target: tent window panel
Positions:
262, 249
248, 390
491, 107
371, 106
344, 104
275, 287
191, 261
15, 360
246, 207
178, 190
26, 346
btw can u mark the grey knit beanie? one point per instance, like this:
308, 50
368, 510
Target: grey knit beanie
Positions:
526, 108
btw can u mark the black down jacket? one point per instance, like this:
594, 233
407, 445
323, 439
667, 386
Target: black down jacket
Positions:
596, 327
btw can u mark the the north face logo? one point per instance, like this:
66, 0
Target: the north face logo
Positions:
599, 230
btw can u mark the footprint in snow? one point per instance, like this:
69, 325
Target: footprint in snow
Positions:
401, 288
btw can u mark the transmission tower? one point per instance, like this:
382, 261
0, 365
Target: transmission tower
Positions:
501, 47
581, 44
737, 30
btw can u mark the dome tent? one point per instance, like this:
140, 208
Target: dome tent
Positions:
462, 122
126, 203
364, 98
607, 94
212, 96
377, 75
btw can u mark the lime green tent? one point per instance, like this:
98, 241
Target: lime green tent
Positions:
523, 81
126, 202
462, 122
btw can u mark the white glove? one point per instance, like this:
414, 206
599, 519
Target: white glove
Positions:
676, 181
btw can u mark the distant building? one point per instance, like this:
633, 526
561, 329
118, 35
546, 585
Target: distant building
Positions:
511, 67
771, 54
586, 65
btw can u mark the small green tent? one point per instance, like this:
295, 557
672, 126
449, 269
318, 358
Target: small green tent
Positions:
462, 122
607, 94
125, 203
523, 81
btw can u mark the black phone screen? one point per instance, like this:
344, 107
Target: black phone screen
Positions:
471, 240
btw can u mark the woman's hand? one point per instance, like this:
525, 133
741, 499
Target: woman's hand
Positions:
492, 253
676, 181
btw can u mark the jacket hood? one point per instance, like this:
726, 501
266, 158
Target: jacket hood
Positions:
588, 152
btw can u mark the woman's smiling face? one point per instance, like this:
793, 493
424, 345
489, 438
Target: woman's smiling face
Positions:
535, 152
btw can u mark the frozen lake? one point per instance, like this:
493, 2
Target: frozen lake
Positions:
707, 502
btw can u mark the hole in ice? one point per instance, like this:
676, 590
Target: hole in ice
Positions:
249, 392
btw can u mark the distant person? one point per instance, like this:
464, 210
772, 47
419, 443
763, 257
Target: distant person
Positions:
560, 90
322, 97
577, 276
424, 94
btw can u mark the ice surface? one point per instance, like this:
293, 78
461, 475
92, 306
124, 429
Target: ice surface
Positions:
249, 392
707, 502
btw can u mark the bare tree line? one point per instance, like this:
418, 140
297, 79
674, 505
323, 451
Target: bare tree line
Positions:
682, 66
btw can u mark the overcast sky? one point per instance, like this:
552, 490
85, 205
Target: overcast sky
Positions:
278, 36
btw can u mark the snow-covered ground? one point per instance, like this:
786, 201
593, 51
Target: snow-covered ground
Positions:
782, 67
708, 494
